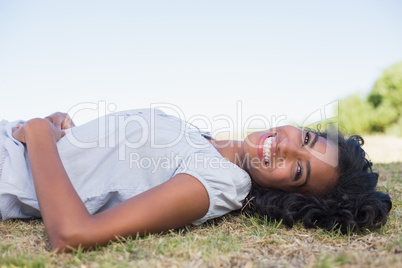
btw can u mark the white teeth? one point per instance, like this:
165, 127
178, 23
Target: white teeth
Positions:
267, 149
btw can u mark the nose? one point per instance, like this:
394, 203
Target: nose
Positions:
289, 149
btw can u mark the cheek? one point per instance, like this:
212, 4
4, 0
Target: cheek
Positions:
259, 176
279, 176
252, 139
280, 165
274, 179
324, 178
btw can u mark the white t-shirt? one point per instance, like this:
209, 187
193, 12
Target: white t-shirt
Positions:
118, 156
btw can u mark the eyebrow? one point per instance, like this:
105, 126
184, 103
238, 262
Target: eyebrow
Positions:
314, 140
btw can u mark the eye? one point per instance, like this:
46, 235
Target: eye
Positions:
298, 172
307, 138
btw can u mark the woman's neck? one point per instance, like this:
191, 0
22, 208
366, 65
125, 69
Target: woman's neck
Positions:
230, 150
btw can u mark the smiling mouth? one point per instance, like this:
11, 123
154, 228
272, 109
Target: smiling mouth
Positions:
267, 152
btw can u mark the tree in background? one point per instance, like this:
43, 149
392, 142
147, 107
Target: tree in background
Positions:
354, 114
381, 111
386, 98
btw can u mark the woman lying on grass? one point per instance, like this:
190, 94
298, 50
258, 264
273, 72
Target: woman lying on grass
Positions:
142, 171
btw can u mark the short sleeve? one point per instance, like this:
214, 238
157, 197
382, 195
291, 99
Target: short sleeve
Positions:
227, 184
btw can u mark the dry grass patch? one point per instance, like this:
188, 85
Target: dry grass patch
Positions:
383, 149
231, 241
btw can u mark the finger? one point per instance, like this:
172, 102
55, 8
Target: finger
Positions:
16, 133
57, 121
62, 133
49, 118
68, 123
72, 123
57, 124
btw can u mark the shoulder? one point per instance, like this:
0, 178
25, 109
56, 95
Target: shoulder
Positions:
227, 185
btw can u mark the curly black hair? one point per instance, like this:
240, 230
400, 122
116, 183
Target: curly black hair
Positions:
354, 203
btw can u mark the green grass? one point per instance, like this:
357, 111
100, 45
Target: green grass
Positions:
231, 241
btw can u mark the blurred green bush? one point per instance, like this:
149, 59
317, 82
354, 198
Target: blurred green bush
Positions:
380, 111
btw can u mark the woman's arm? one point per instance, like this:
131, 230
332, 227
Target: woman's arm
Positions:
172, 204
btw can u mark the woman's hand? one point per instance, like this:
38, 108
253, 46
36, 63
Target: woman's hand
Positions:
61, 120
35, 127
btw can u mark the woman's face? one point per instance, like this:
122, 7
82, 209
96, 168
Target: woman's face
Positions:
290, 159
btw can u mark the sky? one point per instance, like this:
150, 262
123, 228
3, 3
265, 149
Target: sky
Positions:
205, 60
